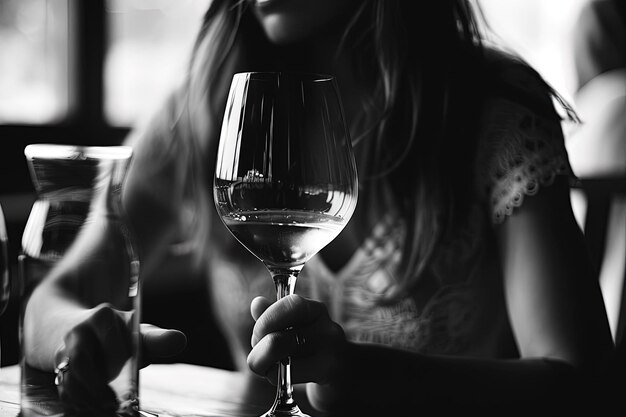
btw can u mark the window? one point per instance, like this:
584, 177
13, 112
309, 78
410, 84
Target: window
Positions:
85, 71
33, 61
148, 50
540, 31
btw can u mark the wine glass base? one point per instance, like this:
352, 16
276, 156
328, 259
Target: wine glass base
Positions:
290, 411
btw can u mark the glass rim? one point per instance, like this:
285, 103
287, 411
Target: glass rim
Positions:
76, 152
314, 76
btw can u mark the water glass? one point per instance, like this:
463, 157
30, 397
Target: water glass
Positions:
5, 284
77, 188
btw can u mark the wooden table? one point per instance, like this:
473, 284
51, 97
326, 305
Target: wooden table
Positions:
179, 390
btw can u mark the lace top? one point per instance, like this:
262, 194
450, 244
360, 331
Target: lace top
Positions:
518, 151
459, 309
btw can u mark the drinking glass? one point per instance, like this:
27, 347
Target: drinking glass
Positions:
5, 285
67, 179
285, 178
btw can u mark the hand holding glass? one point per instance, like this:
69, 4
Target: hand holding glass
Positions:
285, 178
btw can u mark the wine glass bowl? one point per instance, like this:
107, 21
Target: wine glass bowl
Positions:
285, 177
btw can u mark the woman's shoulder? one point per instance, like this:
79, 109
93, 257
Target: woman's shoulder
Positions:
509, 77
520, 144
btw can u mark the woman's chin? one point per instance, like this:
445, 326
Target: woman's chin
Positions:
282, 34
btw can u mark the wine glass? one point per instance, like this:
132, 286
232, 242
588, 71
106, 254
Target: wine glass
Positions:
285, 178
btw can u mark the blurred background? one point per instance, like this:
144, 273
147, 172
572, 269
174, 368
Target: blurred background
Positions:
86, 71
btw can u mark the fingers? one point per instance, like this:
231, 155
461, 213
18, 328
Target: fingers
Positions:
323, 338
160, 343
298, 328
107, 333
271, 349
84, 384
258, 306
97, 349
305, 369
291, 311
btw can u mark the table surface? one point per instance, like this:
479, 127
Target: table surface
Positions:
179, 390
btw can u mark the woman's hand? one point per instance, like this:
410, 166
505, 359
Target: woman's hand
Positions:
95, 351
300, 328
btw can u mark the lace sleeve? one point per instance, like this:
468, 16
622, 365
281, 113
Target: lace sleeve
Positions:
519, 151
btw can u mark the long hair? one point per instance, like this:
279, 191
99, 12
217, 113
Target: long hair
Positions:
425, 63
429, 66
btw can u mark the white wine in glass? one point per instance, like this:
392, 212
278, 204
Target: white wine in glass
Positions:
285, 178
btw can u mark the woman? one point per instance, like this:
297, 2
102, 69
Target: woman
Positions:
462, 280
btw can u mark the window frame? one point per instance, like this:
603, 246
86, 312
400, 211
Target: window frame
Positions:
85, 122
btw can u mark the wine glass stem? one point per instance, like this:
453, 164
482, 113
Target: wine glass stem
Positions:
285, 282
